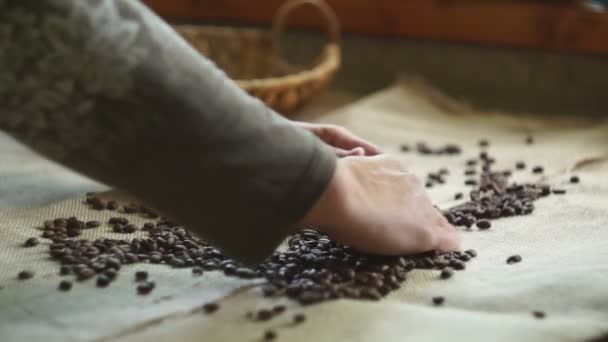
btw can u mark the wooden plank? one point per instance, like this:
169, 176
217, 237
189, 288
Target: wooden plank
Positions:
557, 26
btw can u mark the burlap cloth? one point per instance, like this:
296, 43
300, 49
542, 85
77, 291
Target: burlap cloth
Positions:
564, 246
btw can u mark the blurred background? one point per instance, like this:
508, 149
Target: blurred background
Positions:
542, 56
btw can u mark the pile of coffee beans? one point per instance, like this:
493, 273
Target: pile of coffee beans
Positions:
312, 269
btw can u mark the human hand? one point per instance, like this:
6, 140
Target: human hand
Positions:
374, 205
341, 139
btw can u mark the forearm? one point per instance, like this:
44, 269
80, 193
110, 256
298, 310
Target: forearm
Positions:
108, 89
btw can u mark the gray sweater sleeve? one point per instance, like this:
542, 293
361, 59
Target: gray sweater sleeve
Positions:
108, 89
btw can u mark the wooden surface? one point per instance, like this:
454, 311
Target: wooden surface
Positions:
550, 25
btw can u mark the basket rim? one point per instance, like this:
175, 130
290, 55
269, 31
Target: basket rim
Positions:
329, 63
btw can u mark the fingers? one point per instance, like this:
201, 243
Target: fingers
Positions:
357, 151
340, 137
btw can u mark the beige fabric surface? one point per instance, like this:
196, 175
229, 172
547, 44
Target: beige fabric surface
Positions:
564, 245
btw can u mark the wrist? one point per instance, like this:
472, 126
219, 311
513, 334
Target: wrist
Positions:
331, 202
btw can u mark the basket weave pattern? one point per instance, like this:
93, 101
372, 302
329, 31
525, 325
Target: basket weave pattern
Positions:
251, 58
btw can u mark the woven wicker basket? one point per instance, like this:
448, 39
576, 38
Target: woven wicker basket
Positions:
252, 58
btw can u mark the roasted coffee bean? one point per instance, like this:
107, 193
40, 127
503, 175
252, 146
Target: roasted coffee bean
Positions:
529, 140
65, 285
471, 182
270, 335
513, 259
197, 271
299, 318
443, 171
446, 273
93, 224
118, 220
145, 287
279, 309
537, 169
483, 224
84, 273
428, 185
31, 242
110, 273
210, 307
458, 196
405, 148
520, 165
471, 252
60, 223
130, 228
458, 265
470, 172
130, 209
26, 274
141, 276
471, 162
112, 205
539, 314
483, 143
438, 300
264, 315
559, 191
103, 280
574, 179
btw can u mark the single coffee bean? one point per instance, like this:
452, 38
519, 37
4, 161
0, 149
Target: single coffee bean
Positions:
520, 165
444, 172
31, 242
112, 205
130, 228
539, 314
145, 287
84, 273
270, 335
471, 252
470, 172
210, 307
513, 259
197, 271
559, 191
299, 318
529, 140
458, 196
279, 309
483, 155
483, 224
93, 224
264, 315
438, 300
103, 280
458, 265
405, 148
141, 276
470, 182
428, 185
483, 143
65, 285
26, 274
537, 169
446, 273
574, 179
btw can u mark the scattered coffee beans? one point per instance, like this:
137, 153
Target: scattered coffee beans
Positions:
65, 285
145, 287
270, 335
513, 259
438, 300
483, 224
538, 314
31, 242
299, 318
93, 224
446, 273
26, 274
210, 308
